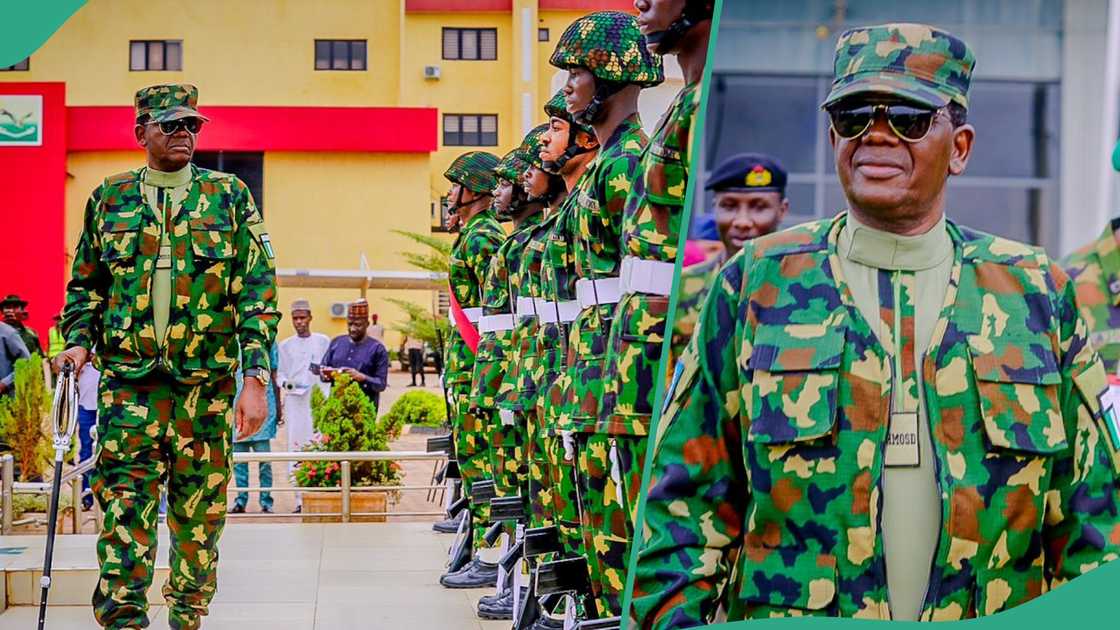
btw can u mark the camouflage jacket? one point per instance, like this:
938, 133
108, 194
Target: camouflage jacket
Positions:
495, 348
223, 279
766, 477
1095, 271
518, 389
651, 223
475, 246
601, 199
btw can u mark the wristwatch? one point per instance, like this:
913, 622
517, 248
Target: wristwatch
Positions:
261, 375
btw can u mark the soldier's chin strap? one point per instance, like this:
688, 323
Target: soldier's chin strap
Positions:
516, 204
553, 167
666, 40
594, 110
459, 204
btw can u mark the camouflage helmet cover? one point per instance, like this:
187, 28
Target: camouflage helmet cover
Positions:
532, 144
914, 61
512, 166
162, 103
474, 171
609, 44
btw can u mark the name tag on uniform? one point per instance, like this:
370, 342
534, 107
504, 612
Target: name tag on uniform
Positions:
164, 260
902, 441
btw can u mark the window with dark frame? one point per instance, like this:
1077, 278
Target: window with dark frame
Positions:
155, 55
470, 130
470, 44
248, 166
543, 34
340, 54
18, 66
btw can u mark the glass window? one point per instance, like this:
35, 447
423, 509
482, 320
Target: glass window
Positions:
340, 54
468, 130
248, 166
470, 44
155, 55
543, 34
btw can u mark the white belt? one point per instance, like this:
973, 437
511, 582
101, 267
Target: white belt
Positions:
525, 307
474, 314
495, 323
646, 276
507, 417
551, 312
594, 292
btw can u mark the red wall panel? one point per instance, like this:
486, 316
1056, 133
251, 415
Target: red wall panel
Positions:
234, 128
420, 6
587, 5
33, 258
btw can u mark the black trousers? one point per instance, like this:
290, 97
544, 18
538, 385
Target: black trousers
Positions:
416, 364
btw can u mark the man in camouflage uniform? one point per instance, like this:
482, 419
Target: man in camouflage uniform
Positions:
1095, 271
608, 65
815, 459
174, 283
499, 344
472, 184
569, 148
749, 201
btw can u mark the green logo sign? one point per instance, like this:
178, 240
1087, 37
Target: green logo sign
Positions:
21, 120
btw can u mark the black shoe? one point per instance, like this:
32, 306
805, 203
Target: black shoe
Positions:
266, 510
411, 385
500, 608
548, 623
447, 525
493, 597
478, 574
237, 509
298, 510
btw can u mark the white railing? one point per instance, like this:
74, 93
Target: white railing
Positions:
9, 487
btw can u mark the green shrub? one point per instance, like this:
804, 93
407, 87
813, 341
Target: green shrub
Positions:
347, 421
24, 422
418, 407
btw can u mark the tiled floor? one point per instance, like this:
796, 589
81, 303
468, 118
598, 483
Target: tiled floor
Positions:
279, 577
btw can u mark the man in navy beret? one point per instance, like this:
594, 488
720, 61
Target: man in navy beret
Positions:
750, 198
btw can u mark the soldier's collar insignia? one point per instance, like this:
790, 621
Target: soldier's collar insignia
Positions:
759, 177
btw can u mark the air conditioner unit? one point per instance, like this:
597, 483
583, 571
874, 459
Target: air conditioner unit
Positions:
431, 72
338, 310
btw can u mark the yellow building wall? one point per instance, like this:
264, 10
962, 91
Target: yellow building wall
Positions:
237, 52
327, 210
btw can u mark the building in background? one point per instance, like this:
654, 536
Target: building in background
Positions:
340, 115
1037, 101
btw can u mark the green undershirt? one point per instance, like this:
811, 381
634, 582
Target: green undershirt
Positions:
164, 192
911, 518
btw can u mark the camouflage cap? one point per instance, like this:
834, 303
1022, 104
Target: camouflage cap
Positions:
168, 102
917, 62
474, 170
609, 44
557, 107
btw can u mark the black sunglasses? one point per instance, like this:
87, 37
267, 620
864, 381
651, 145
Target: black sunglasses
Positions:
172, 127
909, 123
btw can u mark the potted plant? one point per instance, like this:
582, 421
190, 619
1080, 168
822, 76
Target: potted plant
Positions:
346, 421
23, 420
421, 411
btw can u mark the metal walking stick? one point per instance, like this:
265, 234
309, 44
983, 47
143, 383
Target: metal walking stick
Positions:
64, 420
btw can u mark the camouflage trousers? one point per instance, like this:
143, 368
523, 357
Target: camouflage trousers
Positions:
633, 364
507, 453
582, 387
470, 429
610, 477
538, 445
565, 491
155, 431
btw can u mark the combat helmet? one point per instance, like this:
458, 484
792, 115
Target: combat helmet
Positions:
510, 168
610, 46
557, 107
531, 147
695, 11
474, 171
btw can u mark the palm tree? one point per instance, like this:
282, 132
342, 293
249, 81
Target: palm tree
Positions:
423, 322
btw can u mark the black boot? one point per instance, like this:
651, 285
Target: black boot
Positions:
500, 608
447, 525
477, 574
493, 597
548, 623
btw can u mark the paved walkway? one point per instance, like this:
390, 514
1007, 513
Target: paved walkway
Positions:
275, 577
